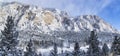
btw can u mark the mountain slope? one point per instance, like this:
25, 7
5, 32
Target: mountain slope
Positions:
48, 19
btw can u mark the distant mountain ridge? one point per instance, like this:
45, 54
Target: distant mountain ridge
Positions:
50, 19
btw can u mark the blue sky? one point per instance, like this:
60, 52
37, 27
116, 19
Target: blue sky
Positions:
109, 10
111, 14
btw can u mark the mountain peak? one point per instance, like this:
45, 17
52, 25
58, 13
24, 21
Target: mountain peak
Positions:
50, 19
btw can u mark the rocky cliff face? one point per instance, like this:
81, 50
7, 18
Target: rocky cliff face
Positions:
50, 24
49, 19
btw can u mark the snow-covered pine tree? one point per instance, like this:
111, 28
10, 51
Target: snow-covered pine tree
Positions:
67, 54
9, 38
116, 46
93, 49
30, 51
105, 50
76, 49
40, 54
54, 51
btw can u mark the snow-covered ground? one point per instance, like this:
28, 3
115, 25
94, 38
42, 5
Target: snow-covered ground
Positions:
46, 51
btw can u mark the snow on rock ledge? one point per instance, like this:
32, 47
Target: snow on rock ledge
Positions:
49, 19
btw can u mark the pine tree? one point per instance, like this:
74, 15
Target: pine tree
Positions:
66, 54
76, 49
116, 46
30, 51
40, 54
93, 49
105, 50
54, 51
9, 37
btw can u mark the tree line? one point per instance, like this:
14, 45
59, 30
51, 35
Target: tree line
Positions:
9, 41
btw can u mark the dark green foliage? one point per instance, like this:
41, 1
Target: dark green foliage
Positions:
40, 54
29, 46
66, 54
93, 49
116, 45
105, 50
76, 49
30, 51
9, 38
54, 51
7, 34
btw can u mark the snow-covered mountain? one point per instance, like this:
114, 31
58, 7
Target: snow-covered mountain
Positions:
50, 19
47, 25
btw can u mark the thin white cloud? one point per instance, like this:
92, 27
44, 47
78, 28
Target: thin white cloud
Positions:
1, 0
74, 7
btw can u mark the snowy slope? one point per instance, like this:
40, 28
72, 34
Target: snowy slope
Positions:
50, 19
51, 24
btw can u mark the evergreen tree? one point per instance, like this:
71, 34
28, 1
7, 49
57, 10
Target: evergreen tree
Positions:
116, 46
30, 51
9, 37
93, 49
40, 54
105, 50
67, 54
76, 49
54, 51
